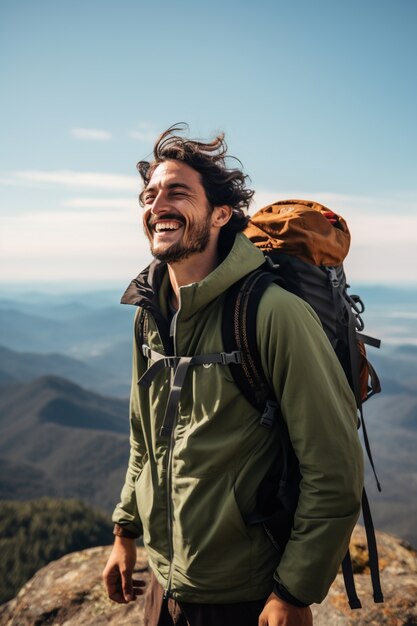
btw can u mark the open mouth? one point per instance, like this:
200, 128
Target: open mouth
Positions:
166, 225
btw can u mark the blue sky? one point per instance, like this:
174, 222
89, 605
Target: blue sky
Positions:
317, 99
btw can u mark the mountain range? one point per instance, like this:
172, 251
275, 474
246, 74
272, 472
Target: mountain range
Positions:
107, 373
65, 369
58, 439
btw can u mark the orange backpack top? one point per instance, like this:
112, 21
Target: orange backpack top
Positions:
315, 235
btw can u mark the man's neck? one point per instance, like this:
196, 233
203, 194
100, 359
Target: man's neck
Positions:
191, 270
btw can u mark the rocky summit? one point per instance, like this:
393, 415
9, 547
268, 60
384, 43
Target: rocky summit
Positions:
69, 592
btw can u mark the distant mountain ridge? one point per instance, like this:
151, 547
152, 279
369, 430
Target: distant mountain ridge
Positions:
78, 336
24, 366
63, 441
97, 373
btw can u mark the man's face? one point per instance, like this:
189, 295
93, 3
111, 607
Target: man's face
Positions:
177, 217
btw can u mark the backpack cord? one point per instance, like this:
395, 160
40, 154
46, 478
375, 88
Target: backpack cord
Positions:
354, 365
368, 448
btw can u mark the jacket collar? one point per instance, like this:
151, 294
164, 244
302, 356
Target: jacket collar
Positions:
243, 258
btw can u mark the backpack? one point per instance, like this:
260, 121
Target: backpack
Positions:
304, 245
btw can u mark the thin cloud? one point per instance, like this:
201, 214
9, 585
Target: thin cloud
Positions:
345, 203
88, 243
145, 133
100, 203
145, 136
91, 134
73, 246
71, 178
75, 243
10, 182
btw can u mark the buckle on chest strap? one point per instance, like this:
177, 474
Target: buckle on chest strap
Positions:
226, 358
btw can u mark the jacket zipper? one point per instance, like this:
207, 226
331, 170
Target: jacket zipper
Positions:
169, 470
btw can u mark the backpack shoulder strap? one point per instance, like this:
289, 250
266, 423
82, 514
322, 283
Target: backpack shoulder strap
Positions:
141, 327
239, 333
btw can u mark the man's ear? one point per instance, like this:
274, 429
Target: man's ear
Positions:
221, 215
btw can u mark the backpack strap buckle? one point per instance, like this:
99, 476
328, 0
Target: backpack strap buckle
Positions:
333, 278
146, 351
226, 358
269, 414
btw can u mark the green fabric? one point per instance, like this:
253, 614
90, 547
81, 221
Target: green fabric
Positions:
220, 452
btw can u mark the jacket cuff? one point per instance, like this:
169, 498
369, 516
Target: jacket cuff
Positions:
285, 595
119, 531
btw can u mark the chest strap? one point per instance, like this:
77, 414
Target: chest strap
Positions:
180, 365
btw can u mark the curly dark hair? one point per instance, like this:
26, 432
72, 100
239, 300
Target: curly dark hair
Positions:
222, 185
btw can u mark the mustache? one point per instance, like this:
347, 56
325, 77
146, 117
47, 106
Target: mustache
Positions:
167, 216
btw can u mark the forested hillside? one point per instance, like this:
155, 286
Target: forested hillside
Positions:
35, 532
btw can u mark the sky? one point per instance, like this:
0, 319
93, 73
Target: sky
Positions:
317, 99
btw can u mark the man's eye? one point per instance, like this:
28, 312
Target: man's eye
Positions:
148, 199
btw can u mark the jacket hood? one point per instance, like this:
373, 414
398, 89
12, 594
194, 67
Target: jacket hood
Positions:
243, 258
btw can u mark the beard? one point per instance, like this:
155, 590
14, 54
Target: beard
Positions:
194, 242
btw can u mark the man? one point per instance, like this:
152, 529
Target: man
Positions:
198, 451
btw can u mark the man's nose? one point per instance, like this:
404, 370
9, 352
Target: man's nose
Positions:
160, 204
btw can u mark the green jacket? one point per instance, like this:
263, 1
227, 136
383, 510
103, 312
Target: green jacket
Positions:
190, 493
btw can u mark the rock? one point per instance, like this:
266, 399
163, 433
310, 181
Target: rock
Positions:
398, 567
69, 592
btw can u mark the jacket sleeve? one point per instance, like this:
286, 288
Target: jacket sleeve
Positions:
125, 515
320, 411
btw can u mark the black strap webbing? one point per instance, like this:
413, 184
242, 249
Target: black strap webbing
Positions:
347, 568
174, 396
180, 365
347, 571
370, 341
368, 449
372, 549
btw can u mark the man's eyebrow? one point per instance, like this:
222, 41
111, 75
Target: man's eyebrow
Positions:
174, 185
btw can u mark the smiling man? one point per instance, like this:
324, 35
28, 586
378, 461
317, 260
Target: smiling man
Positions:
199, 450
174, 184
180, 223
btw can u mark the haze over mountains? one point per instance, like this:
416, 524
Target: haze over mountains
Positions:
88, 343
65, 369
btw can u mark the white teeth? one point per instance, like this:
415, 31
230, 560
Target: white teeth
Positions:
166, 226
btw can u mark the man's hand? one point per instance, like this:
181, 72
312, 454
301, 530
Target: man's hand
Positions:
279, 613
117, 574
